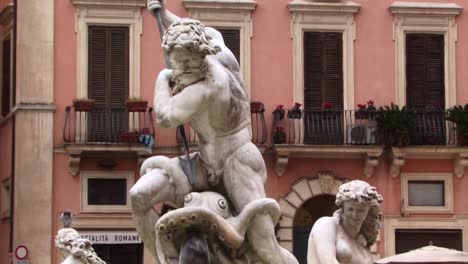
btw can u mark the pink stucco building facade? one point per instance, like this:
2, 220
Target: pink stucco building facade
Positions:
54, 157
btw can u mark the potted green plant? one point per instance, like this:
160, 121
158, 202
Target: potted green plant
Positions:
394, 125
136, 104
83, 104
279, 137
458, 114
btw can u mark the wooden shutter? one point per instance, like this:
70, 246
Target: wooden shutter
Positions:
232, 41
6, 76
323, 83
323, 69
108, 81
425, 86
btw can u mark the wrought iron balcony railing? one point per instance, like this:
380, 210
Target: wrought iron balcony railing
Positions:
259, 131
104, 125
350, 127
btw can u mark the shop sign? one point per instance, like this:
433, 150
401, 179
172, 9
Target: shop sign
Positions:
111, 237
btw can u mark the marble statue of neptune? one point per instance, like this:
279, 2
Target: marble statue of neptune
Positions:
204, 88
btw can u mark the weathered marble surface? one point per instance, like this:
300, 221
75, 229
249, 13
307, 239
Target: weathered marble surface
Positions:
346, 237
208, 93
75, 249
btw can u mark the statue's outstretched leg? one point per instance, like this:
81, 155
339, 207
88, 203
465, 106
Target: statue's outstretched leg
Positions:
162, 180
244, 178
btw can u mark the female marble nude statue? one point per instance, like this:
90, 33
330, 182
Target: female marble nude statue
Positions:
345, 238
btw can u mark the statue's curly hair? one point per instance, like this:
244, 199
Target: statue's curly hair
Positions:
363, 193
190, 34
71, 243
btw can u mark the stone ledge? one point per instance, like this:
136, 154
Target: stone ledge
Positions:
103, 221
221, 4
77, 151
369, 154
329, 7
457, 153
425, 8
125, 3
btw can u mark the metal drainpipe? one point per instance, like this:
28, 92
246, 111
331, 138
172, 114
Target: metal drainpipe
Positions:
13, 85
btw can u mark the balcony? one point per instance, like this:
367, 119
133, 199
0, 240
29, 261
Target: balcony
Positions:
352, 134
259, 131
114, 130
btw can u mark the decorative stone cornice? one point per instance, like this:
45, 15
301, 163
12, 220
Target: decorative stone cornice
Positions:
103, 221
436, 9
458, 154
77, 151
325, 7
221, 4
369, 154
34, 106
125, 3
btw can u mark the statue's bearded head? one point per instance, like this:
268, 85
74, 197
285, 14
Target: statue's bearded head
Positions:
187, 44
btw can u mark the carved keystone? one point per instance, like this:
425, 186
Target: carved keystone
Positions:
281, 163
460, 162
371, 160
397, 159
74, 164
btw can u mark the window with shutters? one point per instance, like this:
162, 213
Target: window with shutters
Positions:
332, 80
6, 76
323, 84
425, 86
105, 191
425, 37
108, 73
97, 13
233, 19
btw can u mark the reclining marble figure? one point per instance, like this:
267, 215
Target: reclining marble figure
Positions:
208, 93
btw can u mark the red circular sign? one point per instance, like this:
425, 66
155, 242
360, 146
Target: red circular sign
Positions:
21, 252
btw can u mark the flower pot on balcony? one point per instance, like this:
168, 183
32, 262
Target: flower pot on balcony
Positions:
85, 105
137, 106
364, 115
279, 137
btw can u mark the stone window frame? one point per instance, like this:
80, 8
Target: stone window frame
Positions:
5, 198
229, 14
447, 178
392, 223
85, 175
432, 18
323, 16
108, 13
6, 21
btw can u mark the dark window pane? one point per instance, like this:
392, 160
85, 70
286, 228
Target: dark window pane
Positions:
409, 239
231, 39
120, 253
107, 191
426, 193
